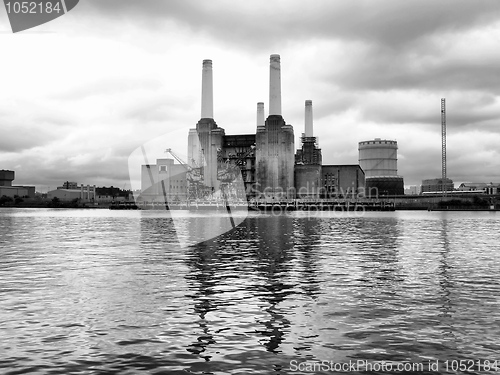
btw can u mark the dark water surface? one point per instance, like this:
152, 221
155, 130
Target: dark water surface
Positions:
113, 292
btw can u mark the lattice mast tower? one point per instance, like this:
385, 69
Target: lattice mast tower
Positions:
443, 144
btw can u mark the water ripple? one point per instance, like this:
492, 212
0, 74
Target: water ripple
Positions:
96, 291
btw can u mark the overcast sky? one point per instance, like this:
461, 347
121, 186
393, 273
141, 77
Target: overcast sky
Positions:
81, 93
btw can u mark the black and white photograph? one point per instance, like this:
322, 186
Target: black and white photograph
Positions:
249, 187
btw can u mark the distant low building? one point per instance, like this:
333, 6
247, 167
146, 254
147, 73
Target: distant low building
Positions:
412, 190
480, 187
83, 194
6, 188
112, 194
473, 186
493, 189
436, 185
89, 193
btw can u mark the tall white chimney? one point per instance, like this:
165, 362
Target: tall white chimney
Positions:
207, 94
275, 86
309, 118
260, 114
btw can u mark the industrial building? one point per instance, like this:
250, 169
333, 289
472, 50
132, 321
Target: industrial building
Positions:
264, 164
435, 185
69, 192
480, 187
379, 160
266, 159
343, 181
412, 190
69, 185
164, 179
6, 188
315, 180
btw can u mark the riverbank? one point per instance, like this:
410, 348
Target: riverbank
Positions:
46, 203
400, 203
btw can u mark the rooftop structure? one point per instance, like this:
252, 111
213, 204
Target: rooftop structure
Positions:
6, 177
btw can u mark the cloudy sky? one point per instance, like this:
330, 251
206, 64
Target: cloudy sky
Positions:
81, 93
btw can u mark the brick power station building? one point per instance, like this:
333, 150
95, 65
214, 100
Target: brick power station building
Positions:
266, 162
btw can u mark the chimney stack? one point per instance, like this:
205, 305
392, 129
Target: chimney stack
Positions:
275, 86
207, 95
309, 119
260, 114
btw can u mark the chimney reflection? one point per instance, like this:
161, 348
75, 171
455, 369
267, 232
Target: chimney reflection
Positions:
203, 273
307, 235
257, 266
275, 235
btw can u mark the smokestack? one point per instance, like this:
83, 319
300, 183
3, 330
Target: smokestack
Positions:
260, 114
309, 118
207, 94
275, 86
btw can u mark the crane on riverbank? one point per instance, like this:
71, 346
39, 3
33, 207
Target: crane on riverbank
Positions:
194, 176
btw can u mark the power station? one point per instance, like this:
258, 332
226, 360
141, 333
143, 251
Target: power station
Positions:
256, 165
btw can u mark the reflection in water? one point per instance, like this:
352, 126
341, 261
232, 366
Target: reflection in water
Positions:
445, 282
307, 234
378, 252
203, 267
364, 284
276, 239
95, 291
258, 261
156, 230
262, 253
202, 226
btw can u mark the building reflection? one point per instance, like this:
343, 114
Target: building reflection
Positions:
276, 240
209, 258
164, 238
259, 252
204, 275
445, 282
271, 259
307, 233
157, 229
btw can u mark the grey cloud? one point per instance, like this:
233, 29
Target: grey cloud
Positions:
390, 22
16, 137
108, 86
464, 109
383, 69
15, 140
160, 107
39, 172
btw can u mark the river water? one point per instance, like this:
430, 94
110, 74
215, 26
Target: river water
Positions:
114, 292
